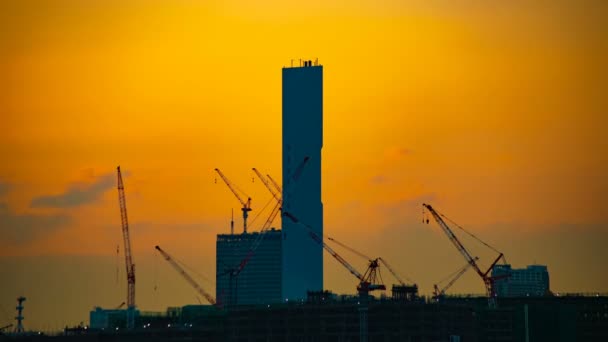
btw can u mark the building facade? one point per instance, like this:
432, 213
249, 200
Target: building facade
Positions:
530, 281
302, 143
260, 280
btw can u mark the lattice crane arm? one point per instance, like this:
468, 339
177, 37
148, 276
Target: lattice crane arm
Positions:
463, 270
349, 248
270, 188
273, 214
127, 242
276, 185
186, 276
390, 269
245, 204
320, 241
454, 240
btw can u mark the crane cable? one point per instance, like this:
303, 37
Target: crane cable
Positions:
449, 276
464, 230
259, 212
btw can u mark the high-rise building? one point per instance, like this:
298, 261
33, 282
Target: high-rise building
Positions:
302, 143
531, 281
260, 280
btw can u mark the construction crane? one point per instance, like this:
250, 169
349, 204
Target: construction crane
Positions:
437, 292
296, 175
392, 270
402, 290
276, 194
186, 276
276, 185
367, 281
128, 257
298, 172
246, 204
5, 327
488, 280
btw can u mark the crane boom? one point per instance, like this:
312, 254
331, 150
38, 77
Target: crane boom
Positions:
276, 185
320, 241
274, 193
438, 292
127, 242
246, 205
454, 239
298, 172
348, 248
186, 276
390, 269
488, 280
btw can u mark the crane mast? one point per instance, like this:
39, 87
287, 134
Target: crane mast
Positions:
186, 276
488, 280
246, 204
128, 256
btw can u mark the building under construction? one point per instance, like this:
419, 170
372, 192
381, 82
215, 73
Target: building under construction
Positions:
248, 268
328, 317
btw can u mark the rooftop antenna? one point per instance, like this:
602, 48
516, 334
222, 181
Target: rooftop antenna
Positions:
20, 317
232, 222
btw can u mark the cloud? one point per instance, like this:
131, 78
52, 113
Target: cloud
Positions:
21, 229
407, 207
77, 194
397, 153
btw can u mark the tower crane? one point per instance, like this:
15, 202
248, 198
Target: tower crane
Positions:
437, 292
276, 185
296, 175
246, 204
186, 276
276, 194
298, 172
128, 257
400, 290
367, 281
488, 280
4, 328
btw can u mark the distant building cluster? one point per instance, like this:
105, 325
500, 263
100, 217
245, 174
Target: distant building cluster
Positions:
530, 281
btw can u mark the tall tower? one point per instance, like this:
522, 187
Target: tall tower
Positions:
302, 142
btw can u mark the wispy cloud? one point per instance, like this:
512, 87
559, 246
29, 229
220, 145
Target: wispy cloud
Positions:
21, 229
76, 194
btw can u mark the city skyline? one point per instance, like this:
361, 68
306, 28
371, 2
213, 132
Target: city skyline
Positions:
493, 113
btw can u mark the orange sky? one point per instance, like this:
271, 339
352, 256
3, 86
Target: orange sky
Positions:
493, 112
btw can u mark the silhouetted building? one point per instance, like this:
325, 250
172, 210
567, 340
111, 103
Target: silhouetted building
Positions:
101, 318
260, 280
302, 143
530, 281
